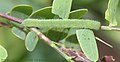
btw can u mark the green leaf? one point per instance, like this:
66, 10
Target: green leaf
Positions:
44, 13
18, 33
62, 8
3, 20
111, 12
62, 23
3, 53
31, 41
43, 53
72, 31
56, 35
14, 46
71, 42
21, 11
87, 43
76, 14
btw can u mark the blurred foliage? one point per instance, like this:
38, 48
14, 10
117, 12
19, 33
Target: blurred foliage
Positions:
13, 45
16, 48
6, 5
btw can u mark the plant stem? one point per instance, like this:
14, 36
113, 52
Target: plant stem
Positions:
4, 25
10, 18
109, 28
14, 19
47, 40
60, 52
41, 35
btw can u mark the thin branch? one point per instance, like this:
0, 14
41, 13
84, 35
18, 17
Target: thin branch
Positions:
109, 28
41, 35
14, 19
4, 25
20, 21
104, 42
47, 40
108, 59
10, 18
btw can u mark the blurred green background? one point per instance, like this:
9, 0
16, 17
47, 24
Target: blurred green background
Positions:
44, 53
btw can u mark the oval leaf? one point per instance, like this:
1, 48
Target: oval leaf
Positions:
3, 53
56, 35
18, 33
43, 53
62, 8
31, 41
87, 43
62, 23
21, 11
71, 32
44, 13
76, 14
111, 12
71, 42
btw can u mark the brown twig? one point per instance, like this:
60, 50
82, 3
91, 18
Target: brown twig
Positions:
4, 25
14, 19
41, 36
108, 59
10, 18
76, 55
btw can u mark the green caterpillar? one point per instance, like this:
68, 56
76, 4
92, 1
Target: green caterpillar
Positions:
62, 23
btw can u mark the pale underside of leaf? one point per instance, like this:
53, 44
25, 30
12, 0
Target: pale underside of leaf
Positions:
62, 8
31, 41
19, 33
111, 12
3, 53
87, 43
